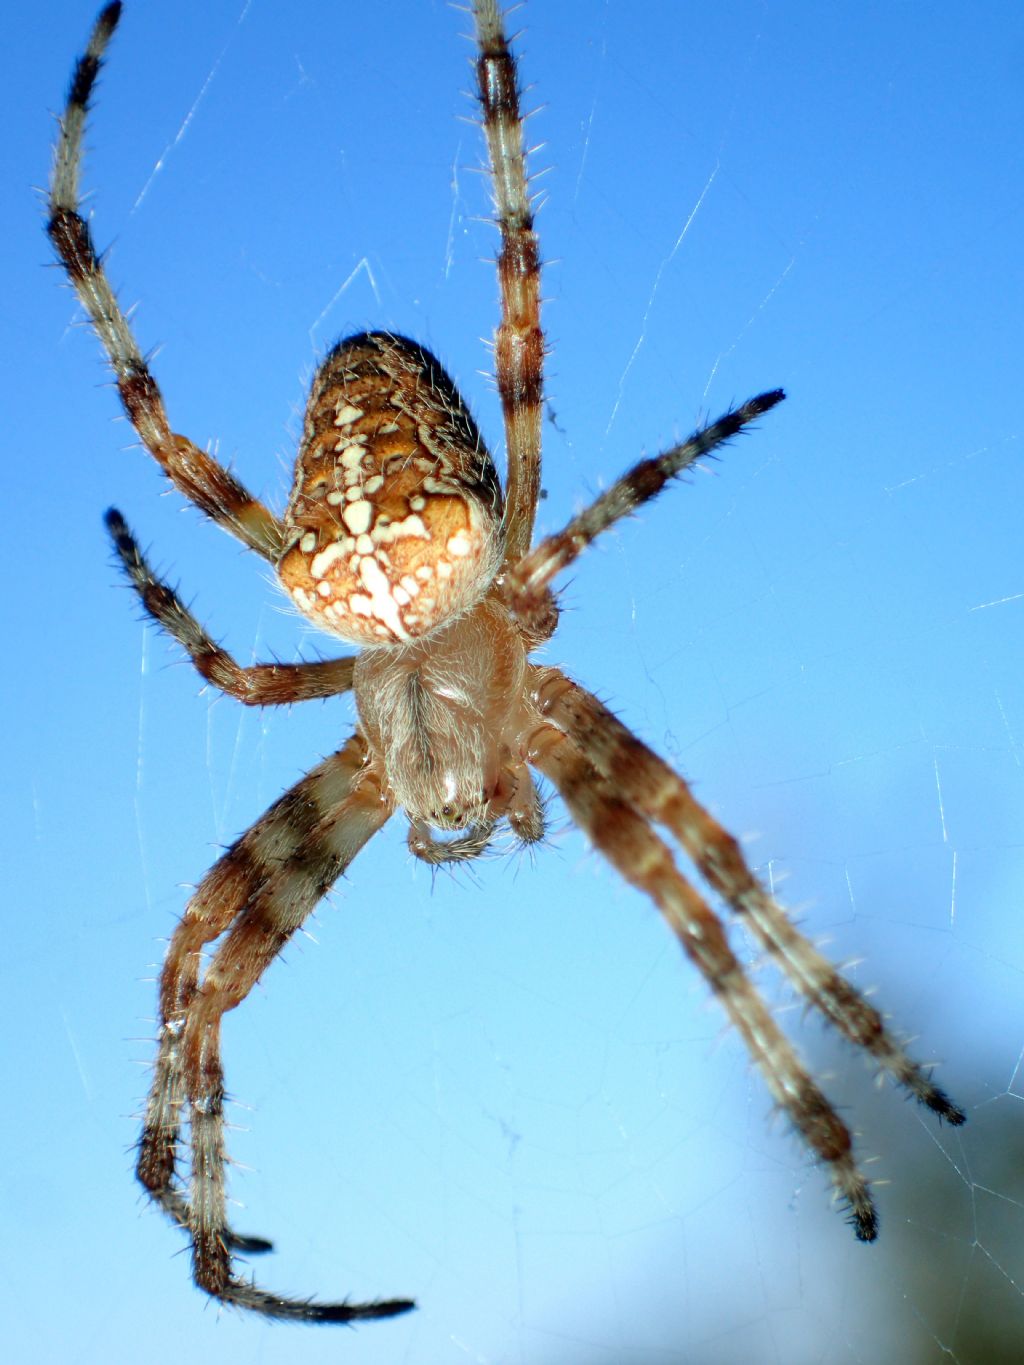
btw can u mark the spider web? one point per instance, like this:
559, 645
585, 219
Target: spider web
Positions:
503, 1091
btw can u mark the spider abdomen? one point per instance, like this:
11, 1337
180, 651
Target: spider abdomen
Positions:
394, 521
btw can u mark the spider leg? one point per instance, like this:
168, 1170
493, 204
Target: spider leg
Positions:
201, 478
256, 685
622, 834
225, 890
258, 893
526, 583
518, 341
659, 793
270, 917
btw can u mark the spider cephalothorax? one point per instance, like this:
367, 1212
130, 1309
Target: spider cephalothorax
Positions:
396, 538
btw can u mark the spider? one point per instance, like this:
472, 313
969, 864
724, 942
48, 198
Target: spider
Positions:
398, 538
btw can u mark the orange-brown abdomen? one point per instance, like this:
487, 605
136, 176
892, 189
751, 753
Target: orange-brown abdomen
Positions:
394, 521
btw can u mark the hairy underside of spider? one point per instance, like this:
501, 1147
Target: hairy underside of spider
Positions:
398, 538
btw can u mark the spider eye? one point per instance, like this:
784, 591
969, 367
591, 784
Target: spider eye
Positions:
394, 522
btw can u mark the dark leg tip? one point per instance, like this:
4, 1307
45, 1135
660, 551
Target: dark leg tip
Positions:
248, 1246
865, 1225
110, 16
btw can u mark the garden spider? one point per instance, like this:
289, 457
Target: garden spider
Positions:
397, 537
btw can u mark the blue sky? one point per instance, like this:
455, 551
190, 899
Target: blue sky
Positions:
503, 1092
